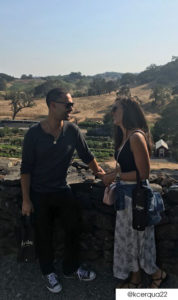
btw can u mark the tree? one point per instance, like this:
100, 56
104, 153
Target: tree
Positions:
19, 100
174, 58
42, 89
160, 95
24, 76
111, 85
124, 91
97, 87
128, 78
175, 90
6, 77
73, 76
2, 84
151, 67
167, 126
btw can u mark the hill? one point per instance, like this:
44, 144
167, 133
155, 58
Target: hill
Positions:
81, 85
90, 107
109, 75
6, 77
160, 75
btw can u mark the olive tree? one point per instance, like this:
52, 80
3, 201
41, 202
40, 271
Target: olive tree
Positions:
19, 100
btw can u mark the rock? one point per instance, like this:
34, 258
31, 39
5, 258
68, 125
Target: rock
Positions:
172, 214
79, 165
153, 178
156, 187
168, 231
170, 267
98, 225
172, 194
162, 179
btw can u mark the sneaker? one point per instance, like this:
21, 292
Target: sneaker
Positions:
82, 274
52, 283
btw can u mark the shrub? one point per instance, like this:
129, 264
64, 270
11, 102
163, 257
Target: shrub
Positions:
2, 134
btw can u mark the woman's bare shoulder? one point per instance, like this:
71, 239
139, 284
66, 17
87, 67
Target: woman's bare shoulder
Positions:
137, 139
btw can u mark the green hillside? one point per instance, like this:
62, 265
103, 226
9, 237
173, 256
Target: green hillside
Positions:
160, 75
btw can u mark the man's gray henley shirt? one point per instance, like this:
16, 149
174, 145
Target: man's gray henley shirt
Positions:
47, 162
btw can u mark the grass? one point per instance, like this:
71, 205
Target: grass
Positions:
12, 139
92, 108
89, 110
24, 85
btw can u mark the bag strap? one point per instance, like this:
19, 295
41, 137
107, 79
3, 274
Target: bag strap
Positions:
139, 182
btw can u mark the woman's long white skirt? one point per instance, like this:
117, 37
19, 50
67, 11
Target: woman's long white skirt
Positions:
132, 249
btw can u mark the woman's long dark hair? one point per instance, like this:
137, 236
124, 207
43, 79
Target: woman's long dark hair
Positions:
133, 118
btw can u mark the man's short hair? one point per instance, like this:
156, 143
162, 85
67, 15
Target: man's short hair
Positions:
55, 95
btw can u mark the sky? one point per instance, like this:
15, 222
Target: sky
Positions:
52, 37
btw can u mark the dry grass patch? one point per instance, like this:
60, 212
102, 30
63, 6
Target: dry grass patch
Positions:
91, 107
33, 113
142, 92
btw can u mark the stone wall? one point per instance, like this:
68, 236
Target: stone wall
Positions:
98, 219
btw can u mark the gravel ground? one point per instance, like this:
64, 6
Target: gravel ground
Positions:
24, 281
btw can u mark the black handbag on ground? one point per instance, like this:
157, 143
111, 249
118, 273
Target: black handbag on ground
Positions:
26, 240
140, 196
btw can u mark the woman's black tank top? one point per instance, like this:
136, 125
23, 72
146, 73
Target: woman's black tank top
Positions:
126, 158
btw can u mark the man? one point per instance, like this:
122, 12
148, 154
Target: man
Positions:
47, 152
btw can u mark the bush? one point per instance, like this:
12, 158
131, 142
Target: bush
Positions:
175, 154
102, 131
15, 130
2, 134
90, 124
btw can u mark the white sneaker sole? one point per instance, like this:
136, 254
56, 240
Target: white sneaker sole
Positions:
55, 291
89, 279
81, 279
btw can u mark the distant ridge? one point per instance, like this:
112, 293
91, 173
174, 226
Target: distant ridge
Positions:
109, 75
166, 75
160, 75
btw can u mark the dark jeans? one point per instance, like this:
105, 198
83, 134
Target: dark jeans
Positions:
47, 206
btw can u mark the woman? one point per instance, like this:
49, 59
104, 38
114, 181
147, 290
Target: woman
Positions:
133, 250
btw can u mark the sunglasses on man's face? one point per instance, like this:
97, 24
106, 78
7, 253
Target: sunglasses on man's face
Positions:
67, 105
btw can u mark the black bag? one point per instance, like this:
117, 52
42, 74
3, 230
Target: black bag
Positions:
140, 196
26, 240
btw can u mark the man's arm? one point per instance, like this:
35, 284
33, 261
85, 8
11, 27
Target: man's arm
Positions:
26, 168
85, 154
93, 165
27, 206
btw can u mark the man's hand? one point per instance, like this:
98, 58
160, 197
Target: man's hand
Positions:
27, 207
100, 171
93, 165
107, 178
